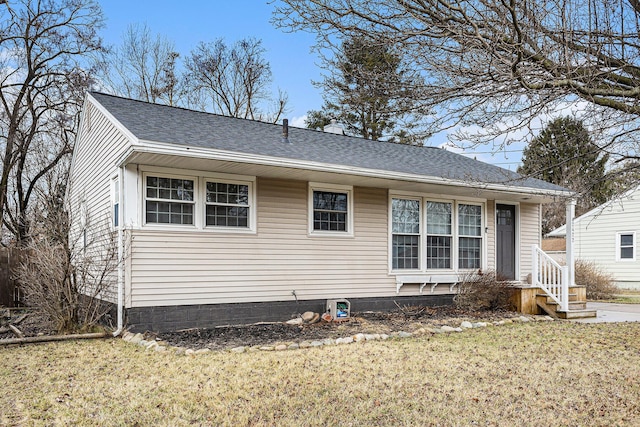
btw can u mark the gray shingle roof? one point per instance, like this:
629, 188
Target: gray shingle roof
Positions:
160, 123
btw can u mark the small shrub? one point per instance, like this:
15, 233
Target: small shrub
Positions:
598, 283
484, 291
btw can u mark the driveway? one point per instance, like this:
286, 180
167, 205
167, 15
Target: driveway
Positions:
611, 312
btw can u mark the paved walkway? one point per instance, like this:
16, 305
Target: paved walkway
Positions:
611, 312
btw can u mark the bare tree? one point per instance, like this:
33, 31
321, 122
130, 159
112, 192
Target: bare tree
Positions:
233, 80
44, 69
497, 65
144, 67
68, 274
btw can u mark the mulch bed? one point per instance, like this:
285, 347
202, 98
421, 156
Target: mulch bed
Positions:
406, 319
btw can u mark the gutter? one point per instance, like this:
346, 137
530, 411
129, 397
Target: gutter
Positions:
149, 147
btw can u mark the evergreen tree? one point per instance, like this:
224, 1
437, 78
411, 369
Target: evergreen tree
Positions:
565, 154
366, 92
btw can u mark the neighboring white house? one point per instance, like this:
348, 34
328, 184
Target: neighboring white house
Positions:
222, 220
608, 236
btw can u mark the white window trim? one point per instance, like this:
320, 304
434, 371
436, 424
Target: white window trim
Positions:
421, 235
200, 178
170, 225
229, 179
315, 186
453, 235
619, 246
428, 197
483, 253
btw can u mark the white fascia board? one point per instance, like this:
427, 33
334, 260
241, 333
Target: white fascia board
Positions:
213, 154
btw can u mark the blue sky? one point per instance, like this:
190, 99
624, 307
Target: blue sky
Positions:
186, 23
293, 66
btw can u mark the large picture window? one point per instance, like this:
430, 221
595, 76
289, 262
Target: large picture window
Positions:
227, 205
450, 232
169, 200
405, 225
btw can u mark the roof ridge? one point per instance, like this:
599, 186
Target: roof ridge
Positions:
191, 110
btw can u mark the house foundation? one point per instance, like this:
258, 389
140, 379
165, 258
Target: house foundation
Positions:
173, 318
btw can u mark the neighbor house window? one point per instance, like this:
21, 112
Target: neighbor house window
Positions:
405, 229
626, 246
331, 210
169, 200
469, 235
439, 235
227, 205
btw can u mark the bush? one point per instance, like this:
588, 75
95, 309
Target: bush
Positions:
598, 283
67, 283
484, 291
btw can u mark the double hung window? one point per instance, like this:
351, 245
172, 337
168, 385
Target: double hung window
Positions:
215, 202
330, 209
626, 246
169, 200
469, 236
439, 235
227, 205
405, 225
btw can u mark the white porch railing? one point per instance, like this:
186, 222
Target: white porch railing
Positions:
550, 276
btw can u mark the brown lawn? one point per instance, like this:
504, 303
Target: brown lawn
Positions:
548, 373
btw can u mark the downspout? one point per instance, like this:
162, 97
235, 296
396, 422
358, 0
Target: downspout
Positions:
121, 270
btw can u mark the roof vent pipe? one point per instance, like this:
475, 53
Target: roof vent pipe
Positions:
285, 131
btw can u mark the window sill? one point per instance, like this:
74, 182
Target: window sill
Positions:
194, 229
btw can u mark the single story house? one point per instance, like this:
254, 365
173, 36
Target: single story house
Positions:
221, 220
608, 236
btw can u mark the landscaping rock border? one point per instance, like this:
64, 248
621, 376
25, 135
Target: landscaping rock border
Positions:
153, 344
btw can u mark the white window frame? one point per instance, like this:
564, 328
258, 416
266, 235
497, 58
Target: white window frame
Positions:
331, 188
421, 238
193, 202
200, 179
619, 246
424, 198
453, 235
251, 206
480, 237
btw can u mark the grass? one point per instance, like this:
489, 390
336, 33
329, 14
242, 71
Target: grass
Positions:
545, 373
626, 296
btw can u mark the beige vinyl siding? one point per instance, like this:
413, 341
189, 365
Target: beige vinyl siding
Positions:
490, 236
595, 238
529, 236
209, 267
98, 146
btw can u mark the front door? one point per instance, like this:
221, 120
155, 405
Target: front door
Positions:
506, 241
